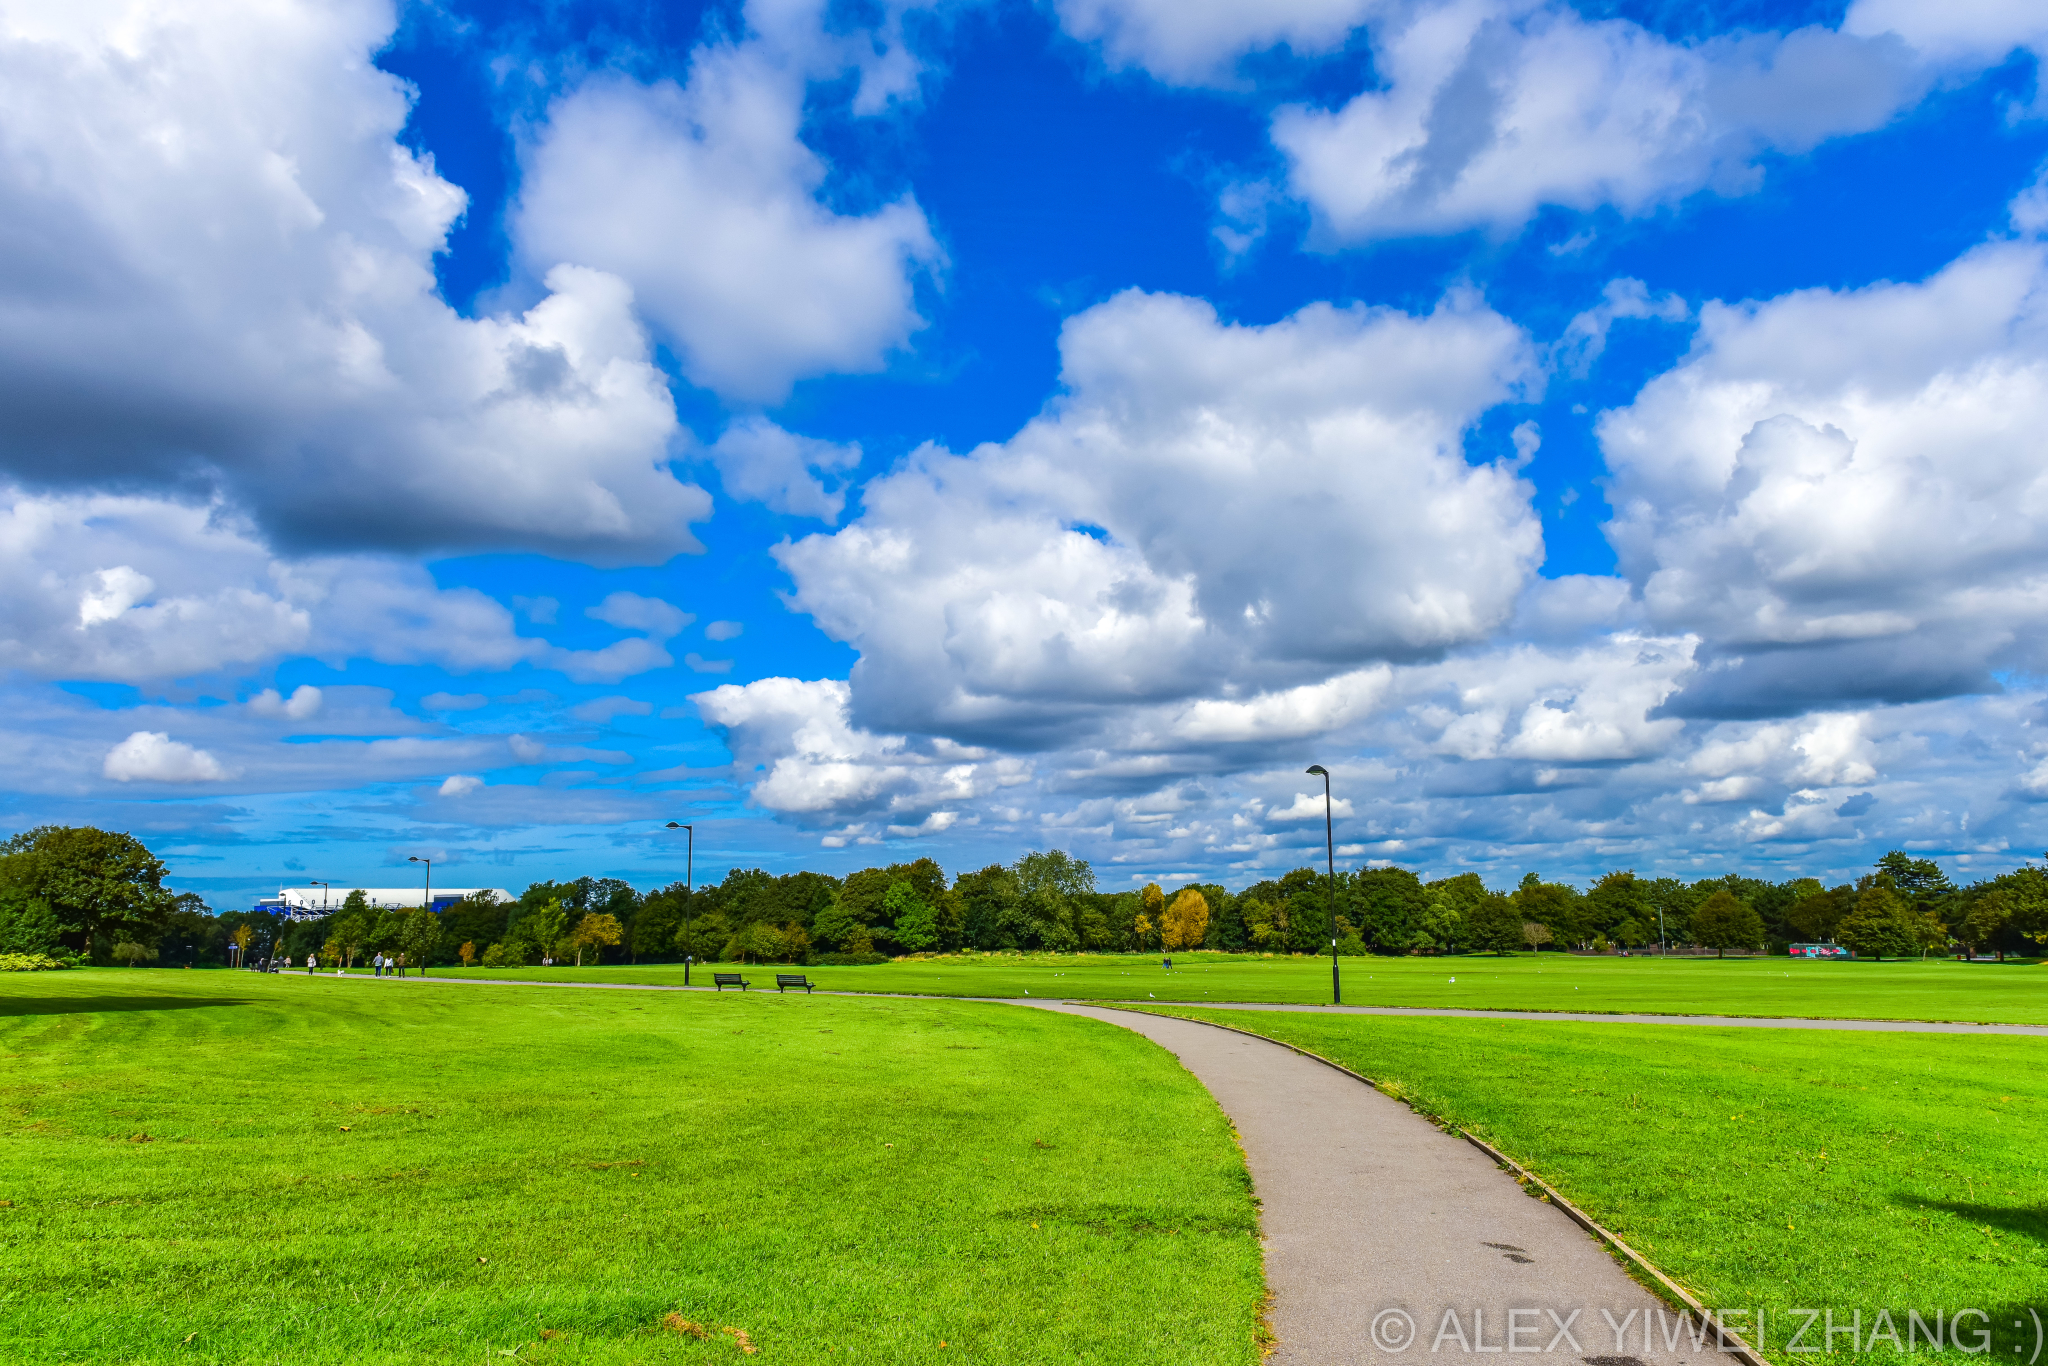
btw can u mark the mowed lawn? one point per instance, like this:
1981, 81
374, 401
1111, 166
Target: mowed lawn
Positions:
1935, 989
225, 1167
1853, 1172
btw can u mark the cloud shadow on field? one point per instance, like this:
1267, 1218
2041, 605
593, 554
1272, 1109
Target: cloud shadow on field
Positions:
93, 1005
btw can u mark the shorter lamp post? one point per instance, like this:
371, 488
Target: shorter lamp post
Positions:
1330, 844
689, 880
325, 888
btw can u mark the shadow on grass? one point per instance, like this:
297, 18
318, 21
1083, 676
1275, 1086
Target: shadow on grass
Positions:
92, 1005
2025, 1220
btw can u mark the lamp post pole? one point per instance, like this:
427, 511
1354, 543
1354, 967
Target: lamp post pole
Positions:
1330, 846
689, 879
324, 889
427, 907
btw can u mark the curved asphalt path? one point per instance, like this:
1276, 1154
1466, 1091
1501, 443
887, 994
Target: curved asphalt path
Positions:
1372, 1215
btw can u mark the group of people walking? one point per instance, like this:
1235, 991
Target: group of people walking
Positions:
382, 965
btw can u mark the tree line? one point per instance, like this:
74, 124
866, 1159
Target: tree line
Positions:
99, 896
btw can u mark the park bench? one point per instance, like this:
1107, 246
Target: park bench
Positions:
722, 980
786, 980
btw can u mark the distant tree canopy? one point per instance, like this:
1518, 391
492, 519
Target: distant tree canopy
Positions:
99, 894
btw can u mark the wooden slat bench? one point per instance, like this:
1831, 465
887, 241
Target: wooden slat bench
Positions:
785, 980
722, 980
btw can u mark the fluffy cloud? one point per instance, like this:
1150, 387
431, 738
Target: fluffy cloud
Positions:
760, 461
1198, 42
1490, 111
301, 705
154, 757
1208, 510
632, 612
706, 199
793, 742
1844, 492
216, 271
1984, 31
141, 589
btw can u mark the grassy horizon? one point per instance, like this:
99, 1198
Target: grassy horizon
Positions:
229, 1167
2015, 992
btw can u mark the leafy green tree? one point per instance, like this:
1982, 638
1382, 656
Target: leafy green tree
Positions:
541, 929
1723, 922
703, 937
99, 886
1092, 923
1881, 926
1817, 914
1265, 923
1442, 929
1554, 906
419, 937
479, 917
840, 930
991, 903
1391, 906
133, 954
27, 925
1985, 923
1493, 924
1919, 880
662, 914
914, 922
1619, 899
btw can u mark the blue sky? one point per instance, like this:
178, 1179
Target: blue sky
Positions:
1606, 436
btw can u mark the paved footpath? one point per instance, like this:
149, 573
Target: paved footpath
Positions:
1385, 1237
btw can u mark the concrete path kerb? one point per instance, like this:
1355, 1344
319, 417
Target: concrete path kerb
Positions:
1388, 1240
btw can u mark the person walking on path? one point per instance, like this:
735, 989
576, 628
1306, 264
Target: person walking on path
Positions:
312, 962
377, 965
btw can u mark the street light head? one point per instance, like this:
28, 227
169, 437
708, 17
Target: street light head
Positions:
674, 825
1319, 770
417, 859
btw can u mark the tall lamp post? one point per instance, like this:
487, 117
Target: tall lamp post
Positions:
427, 908
1330, 844
325, 888
689, 878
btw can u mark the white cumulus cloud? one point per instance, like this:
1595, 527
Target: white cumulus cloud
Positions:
1489, 111
1844, 493
216, 269
1088, 563
760, 461
704, 196
154, 757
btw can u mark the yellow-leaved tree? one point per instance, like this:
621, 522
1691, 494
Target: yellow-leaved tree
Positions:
1185, 923
595, 931
1151, 906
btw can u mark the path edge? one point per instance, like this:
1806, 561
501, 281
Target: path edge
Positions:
1727, 1340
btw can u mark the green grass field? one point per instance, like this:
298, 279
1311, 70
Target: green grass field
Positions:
225, 1167
1937, 989
1757, 1167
